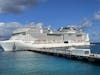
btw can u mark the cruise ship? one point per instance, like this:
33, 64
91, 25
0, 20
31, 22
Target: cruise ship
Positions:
36, 36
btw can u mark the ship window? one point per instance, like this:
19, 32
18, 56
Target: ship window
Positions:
15, 34
69, 34
79, 35
53, 34
24, 33
86, 52
65, 41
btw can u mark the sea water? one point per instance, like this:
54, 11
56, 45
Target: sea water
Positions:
31, 63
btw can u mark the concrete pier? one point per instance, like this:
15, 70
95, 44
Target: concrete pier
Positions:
92, 58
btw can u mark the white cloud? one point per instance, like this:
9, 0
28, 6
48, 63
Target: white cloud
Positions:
16, 6
86, 24
6, 29
97, 16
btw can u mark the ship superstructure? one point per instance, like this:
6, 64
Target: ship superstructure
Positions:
35, 36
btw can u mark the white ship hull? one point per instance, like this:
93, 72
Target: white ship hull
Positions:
14, 45
7, 45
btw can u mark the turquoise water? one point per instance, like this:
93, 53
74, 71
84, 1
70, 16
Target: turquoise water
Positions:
30, 63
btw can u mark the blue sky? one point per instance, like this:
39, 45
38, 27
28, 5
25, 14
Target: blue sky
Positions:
59, 13
56, 12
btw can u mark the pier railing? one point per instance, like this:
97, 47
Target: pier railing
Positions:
93, 58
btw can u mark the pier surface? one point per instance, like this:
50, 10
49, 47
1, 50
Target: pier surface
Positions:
92, 58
